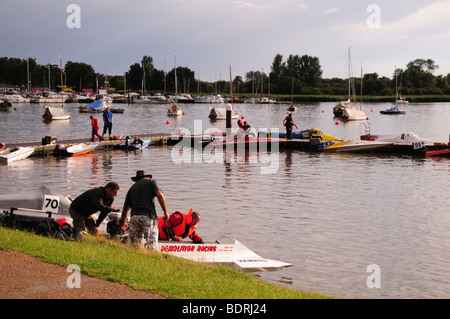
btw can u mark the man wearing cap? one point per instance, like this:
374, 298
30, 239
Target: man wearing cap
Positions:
140, 199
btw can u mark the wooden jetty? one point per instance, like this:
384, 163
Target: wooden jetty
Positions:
42, 150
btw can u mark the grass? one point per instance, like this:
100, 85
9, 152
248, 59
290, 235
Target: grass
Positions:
148, 270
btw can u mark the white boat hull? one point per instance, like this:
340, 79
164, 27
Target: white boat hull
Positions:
357, 146
224, 251
9, 155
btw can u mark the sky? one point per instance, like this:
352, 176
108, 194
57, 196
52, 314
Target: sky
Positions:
209, 36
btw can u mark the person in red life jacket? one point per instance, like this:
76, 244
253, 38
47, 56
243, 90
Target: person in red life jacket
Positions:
95, 127
180, 226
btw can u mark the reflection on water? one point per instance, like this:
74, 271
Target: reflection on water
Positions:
330, 215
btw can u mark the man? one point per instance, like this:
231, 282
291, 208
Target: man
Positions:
107, 120
84, 206
289, 123
140, 199
95, 127
180, 226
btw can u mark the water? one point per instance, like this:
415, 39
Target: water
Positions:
330, 215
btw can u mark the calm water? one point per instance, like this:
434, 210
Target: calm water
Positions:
330, 215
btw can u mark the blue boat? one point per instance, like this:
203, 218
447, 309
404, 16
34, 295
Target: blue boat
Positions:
393, 110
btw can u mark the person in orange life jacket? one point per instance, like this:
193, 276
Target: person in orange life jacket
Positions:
180, 226
95, 127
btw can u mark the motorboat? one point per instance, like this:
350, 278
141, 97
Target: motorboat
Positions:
6, 106
174, 110
307, 134
217, 113
55, 113
128, 145
393, 110
245, 139
182, 98
94, 107
74, 149
212, 99
15, 153
407, 142
265, 100
37, 199
152, 99
356, 145
225, 251
15, 98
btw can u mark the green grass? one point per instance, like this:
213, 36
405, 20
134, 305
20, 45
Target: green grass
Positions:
148, 270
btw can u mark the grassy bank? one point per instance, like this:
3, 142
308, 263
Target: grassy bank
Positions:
147, 270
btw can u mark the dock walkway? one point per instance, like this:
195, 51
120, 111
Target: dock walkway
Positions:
42, 150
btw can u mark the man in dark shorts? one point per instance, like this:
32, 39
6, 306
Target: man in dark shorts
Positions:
140, 199
84, 206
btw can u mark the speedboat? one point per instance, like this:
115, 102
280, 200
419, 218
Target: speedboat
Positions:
128, 145
36, 199
393, 110
15, 153
225, 251
241, 139
55, 113
308, 134
356, 145
74, 149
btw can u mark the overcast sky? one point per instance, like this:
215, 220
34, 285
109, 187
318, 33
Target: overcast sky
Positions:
208, 36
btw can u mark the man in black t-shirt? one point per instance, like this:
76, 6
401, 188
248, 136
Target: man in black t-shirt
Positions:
140, 199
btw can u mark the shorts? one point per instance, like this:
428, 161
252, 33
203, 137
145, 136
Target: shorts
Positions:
143, 231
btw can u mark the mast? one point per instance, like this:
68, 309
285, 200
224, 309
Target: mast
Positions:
231, 88
175, 68
62, 91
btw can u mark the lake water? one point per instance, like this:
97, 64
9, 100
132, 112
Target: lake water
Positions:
340, 219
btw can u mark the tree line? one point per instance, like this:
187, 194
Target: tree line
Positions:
301, 75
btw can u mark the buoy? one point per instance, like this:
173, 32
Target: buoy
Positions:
242, 117
184, 113
167, 122
337, 122
260, 106
322, 111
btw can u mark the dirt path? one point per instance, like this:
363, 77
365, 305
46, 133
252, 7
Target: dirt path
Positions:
25, 277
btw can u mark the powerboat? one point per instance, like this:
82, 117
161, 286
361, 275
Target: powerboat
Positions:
15, 153
36, 199
393, 110
356, 145
15, 98
226, 251
308, 134
74, 149
94, 107
209, 99
152, 99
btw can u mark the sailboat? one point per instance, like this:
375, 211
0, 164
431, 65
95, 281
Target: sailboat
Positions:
345, 109
53, 113
292, 107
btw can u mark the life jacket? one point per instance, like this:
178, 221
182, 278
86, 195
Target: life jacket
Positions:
181, 230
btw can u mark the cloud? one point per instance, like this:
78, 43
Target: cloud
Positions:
332, 10
247, 5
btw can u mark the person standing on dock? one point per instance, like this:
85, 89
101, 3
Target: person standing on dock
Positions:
108, 121
140, 199
289, 123
95, 127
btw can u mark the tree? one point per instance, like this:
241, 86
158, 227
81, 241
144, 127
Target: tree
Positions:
79, 74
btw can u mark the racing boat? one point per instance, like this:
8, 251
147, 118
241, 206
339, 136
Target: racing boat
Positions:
74, 149
15, 153
308, 134
41, 198
356, 145
225, 251
242, 139
128, 145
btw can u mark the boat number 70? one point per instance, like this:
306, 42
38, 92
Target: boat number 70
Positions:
51, 203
